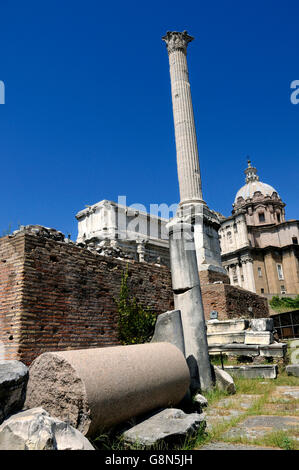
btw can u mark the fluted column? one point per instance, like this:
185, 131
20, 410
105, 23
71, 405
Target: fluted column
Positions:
185, 135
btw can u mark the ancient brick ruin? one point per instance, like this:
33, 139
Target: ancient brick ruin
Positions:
56, 295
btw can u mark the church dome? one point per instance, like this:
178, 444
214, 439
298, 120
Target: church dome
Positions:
253, 184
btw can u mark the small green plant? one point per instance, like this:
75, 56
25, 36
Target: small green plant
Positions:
135, 323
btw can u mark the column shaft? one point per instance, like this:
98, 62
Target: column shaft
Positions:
184, 125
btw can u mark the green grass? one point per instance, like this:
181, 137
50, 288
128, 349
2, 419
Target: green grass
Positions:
215, 395
280, 439
284, 304
263, 388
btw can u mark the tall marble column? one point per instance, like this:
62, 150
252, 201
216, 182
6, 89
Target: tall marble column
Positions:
184, 125
192, 208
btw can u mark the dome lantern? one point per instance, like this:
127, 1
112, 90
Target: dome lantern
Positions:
251, 173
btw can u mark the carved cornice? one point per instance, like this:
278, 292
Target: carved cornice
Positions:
176, 41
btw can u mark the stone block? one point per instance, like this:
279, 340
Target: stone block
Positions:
94, 389
228, 326
13, 382
293, 370
251, 350
170, 425
262, 324
35, 429
278, 350
253, 371
224, 381
259, 337
169, 329
225, 338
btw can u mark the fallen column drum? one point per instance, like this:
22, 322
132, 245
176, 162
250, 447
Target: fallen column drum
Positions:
94, 389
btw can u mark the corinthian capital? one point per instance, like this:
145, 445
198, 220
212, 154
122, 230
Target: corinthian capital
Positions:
177, 41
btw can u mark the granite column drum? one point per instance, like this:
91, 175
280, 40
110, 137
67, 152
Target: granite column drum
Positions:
94, 389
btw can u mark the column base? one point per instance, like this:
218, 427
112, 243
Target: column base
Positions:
206, 225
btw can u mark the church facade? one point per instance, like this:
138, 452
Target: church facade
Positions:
259, 246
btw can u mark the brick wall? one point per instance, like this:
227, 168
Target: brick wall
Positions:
62, 295
11, 286
232, 302
56, 295
208, 277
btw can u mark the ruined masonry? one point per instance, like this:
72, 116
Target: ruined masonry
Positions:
56, 295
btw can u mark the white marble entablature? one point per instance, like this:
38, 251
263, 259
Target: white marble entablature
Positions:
111, 227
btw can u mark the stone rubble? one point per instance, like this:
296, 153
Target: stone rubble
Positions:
35, 429
293, 369
262, 324
224, 381
169, 329
40, 230
245, 338
170, 425
198, 398
13, 382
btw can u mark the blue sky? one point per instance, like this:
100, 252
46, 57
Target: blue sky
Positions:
88, 108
